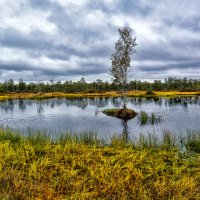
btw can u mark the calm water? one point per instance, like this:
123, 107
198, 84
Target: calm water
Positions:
84, 114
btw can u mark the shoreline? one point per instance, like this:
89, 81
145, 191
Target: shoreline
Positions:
10, 96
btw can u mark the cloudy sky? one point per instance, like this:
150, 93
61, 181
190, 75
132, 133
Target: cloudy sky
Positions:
70, 39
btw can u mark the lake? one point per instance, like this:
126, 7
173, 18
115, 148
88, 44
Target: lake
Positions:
59, 115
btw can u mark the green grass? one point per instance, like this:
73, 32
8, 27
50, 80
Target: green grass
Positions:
143, 118
152, 119
193, 141
112, 111
85, 167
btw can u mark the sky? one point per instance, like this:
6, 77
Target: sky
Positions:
42, 40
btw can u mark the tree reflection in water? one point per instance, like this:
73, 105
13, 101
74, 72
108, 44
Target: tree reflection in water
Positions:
125, 130
22, 105
40, 108
96, 112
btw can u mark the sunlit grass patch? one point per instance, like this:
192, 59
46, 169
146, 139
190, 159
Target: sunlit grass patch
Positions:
3, 97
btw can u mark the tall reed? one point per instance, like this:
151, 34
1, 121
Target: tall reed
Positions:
144, 118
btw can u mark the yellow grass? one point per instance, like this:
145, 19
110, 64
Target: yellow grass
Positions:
176, 93
2, 98
95, 94
42, 169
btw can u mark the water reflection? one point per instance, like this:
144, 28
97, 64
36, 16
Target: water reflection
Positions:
22, 105
40, 108
7, 106
183, 101
125, 130
100, 102
96, 112
78, 114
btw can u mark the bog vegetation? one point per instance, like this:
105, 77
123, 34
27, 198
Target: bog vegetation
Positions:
152, 119
85, 167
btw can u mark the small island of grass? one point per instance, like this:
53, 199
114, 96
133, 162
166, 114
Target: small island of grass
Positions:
124, 114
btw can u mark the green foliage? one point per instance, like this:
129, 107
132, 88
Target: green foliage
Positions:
99, 86
121, 59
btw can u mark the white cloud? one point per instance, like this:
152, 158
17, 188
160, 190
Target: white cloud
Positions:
77, 37
19, 15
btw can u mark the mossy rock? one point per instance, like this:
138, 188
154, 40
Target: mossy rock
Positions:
124, 114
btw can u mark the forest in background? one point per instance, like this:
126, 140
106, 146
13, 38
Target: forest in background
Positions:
169, 84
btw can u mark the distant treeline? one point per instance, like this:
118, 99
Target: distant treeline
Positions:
100, 86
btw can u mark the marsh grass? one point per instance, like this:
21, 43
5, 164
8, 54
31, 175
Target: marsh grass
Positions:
193, 141
6, 134
143, 118
152, 119
136, 93
83, 167
86, 138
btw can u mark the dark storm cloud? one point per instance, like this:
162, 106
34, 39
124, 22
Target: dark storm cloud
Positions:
55, 38
171, 66
83, 71
189, 24
19, 67
37, 44
87, 69
10, 37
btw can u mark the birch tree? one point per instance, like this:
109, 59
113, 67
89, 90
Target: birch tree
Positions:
121, 59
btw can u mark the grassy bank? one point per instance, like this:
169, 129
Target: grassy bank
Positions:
95, 94
84, 167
